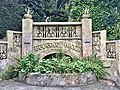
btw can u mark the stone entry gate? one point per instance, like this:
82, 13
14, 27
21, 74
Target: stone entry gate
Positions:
44, 38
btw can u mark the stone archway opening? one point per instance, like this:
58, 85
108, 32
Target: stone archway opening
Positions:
56, 55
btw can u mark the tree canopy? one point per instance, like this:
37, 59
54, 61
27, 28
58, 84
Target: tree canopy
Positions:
104, 13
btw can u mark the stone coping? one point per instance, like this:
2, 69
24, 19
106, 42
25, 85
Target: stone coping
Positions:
60, 79
57, 23
3, 42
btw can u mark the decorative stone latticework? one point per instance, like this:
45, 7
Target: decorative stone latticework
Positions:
111, 50
14, 44
17, 39
96, 43
3, 51
56, 31
17, 44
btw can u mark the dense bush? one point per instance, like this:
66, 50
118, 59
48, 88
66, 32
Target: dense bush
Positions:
66, 65
58, 64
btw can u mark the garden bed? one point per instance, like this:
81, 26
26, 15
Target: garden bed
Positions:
60, 79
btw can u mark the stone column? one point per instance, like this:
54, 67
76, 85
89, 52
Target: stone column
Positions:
118, 55
10, 43
10, 38
86, 35
103, 44
27, 27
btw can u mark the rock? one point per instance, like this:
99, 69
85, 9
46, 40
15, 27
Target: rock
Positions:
12, 85
60, 79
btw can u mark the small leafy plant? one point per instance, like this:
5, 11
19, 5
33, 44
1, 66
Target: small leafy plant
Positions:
28, 63
10, 73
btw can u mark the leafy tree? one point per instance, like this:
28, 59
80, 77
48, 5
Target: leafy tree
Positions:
11, 14
47, 8
104, 13
115, 32
12, 11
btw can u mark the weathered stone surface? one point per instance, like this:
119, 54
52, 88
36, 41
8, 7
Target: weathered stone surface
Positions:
3, 65
111, 68
86, 35
11, 85
60, 80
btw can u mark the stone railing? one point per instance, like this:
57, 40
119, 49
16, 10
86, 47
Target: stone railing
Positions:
57, 30
14, 39
99, 43
109, 51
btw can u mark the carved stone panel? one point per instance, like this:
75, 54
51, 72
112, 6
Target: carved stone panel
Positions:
111, 50
96, 43
56, 31
16, 48
45, 47
17, 39
3, 51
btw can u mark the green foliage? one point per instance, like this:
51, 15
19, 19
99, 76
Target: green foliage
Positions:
24, 66
105, 14
28, 63
11, 73
60, 63
47, 8
11, 15
66, 65
95, 65
114, 32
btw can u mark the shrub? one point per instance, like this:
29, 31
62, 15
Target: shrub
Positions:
24, 66
66, 65
95, 65
58, 64
11, 73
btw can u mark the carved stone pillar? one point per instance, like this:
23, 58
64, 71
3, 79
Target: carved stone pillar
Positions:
27, 28
86, 35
